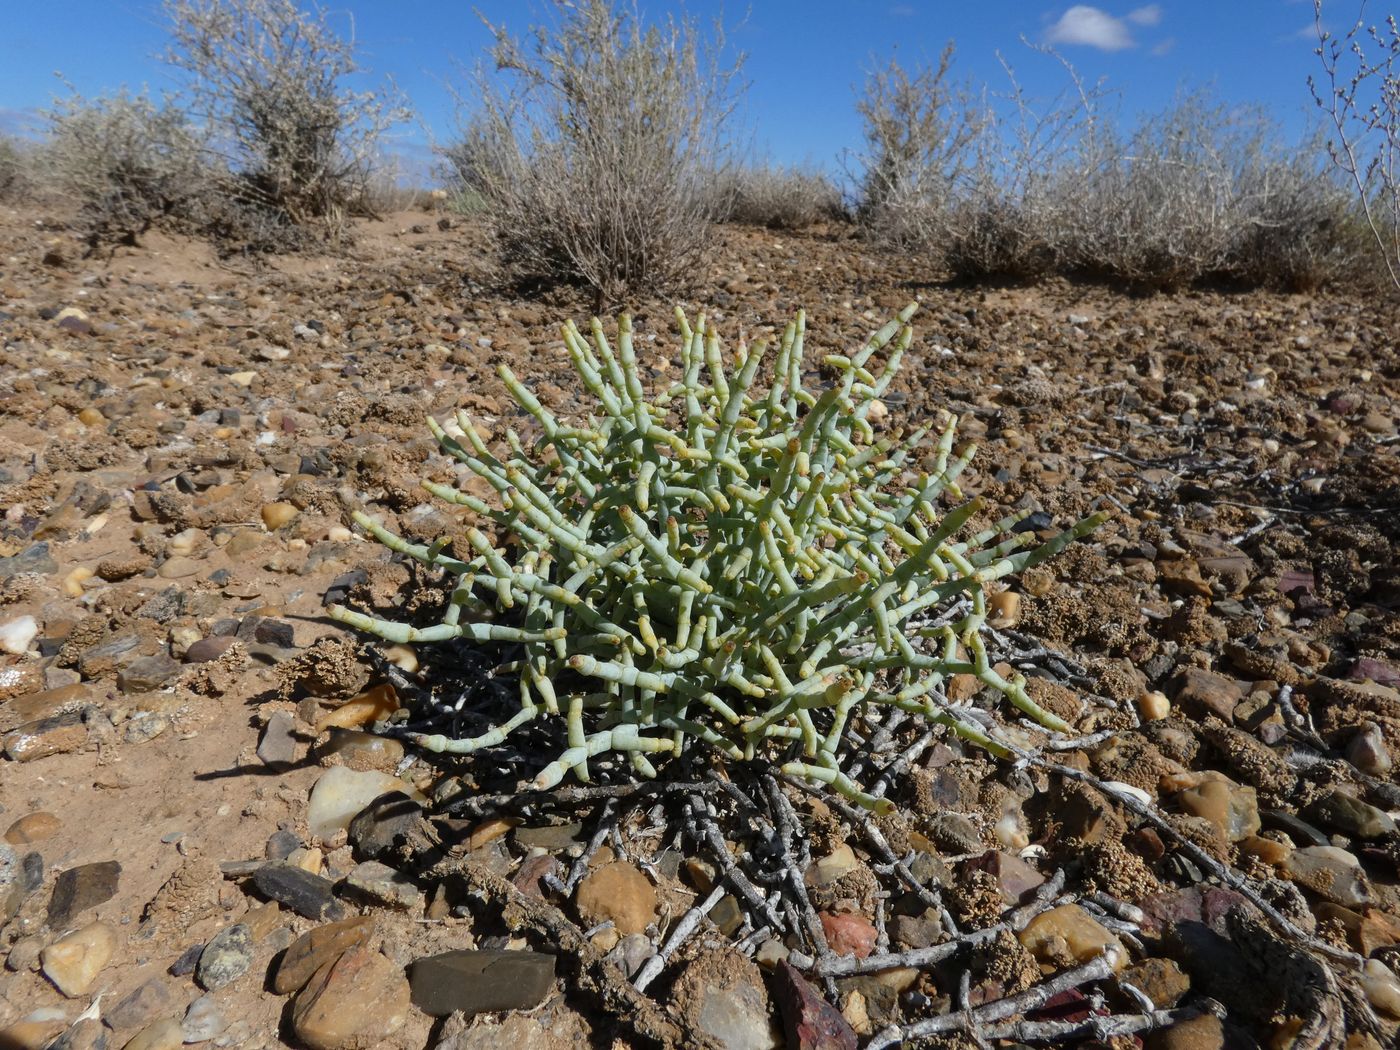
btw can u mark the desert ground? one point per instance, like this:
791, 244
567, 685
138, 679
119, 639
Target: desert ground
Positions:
186, 734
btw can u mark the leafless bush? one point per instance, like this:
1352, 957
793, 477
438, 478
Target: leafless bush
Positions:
129, 163
1296, 228
16, 168
1360, 95
917, 129
592, 156
268, 80
777, 197
1157, 209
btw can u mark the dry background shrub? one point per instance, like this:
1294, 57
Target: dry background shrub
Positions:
780, 198
129, 163
268, 80
16, 168
998, 186
592, 147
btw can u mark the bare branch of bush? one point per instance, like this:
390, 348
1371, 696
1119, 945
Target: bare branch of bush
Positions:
267, 79
129, 163
1360, 94
780, 198
593, 149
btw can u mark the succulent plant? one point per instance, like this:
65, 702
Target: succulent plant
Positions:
745, 566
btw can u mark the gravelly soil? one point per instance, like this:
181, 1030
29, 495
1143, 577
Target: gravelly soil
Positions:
179, 457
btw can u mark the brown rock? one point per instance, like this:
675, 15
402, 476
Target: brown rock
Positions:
1198, 1033
1201, 693
618, 891
1161, 980
315, 948
1068, 935
353, 1003
47, 736
33, 827
809, 1021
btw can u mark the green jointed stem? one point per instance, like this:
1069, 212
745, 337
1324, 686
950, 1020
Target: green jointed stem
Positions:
724, 562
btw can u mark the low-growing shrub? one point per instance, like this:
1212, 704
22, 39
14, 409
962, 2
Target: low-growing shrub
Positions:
720, 564
778, 198
16, 168
129, 163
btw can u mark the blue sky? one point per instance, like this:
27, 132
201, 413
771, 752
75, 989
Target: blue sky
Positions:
805, 57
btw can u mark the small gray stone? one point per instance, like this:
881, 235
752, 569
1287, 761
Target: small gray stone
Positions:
306, 894
480, 981
203, 1021
32, 559
280, 845
383, 884
226, 957
278, 746
142, 1005
387, 819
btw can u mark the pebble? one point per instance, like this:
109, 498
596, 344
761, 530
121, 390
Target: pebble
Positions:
1196, 1033
275, 515
207, 649
306, 894
474, 982
620, 892
385, 821
177, 568
809, 1021
1331, 873
827, 870
73, 962
226, 957
203, 1021
341, 793
33, 827
43, 737
1153, 705
315, 948
80, 888
358, 1000
147, 673
363, 751
278, 746
1368, 753
848, 934
1232, 808
1350, 815
17, 634
370, 706
384, 885
1382, 988
73, 582
141, 1005
165, 1034
33, 559
1067, 935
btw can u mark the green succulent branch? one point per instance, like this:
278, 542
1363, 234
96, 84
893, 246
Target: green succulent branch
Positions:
720, 562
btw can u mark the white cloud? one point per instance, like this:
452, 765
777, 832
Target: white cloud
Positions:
1146, 16
1164, 47
1089, 26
